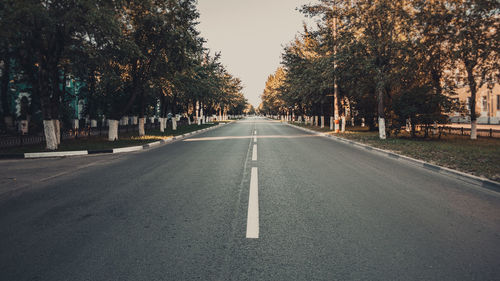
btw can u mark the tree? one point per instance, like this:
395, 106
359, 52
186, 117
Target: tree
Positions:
44, 32
475, 44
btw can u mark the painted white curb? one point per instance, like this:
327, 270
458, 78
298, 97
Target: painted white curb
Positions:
55, 154
154, 143
127, 149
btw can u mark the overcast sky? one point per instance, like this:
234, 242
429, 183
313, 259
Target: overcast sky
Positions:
250, 34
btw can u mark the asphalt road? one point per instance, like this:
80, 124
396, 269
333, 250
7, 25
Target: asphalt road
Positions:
319, 210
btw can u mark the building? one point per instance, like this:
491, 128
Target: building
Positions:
487, 105
22, 105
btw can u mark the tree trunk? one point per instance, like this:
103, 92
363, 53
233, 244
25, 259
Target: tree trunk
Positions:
473, 130
57, 130
48, 123
174, 123
336, 109
50, 136
343, 124
381, 128
142, 132
202, 116
162, 124
472, 102
198, 113
381, 113
4, 90
113, 130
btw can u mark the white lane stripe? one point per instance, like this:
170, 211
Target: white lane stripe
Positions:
253, 206
255, 139
255, 132
254, 153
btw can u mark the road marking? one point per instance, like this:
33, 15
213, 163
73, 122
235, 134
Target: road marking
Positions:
254, 153
255, 132
253, 206
249, 137
254, 138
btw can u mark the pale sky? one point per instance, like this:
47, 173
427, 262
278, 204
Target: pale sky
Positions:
250, 34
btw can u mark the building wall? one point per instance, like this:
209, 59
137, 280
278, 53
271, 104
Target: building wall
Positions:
487, 103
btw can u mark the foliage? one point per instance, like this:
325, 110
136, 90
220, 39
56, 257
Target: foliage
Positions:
394, 59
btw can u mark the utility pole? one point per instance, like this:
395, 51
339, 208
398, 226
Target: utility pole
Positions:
335, 86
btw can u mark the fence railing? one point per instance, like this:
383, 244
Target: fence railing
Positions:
462, 131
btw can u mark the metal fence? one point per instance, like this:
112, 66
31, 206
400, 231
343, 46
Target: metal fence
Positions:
448, 130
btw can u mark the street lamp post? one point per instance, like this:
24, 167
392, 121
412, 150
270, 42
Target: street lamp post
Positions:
335, 86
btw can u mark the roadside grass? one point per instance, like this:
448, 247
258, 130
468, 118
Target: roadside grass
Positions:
102, 143
480, 157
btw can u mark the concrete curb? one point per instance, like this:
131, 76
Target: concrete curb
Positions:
480, 181
33, 155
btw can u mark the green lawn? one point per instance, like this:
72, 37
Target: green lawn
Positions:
99, 143
480, 157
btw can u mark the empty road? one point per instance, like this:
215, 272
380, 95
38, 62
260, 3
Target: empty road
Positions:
252, 200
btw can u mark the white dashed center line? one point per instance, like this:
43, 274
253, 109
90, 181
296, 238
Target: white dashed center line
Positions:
253, 206
254, 153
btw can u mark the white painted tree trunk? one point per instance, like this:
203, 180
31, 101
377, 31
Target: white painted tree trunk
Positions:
93, 123
316, 120
197, 118
135, 120
408, 125
381, 128
362, 122
162, 124
189, 120
322, 121
473, 130
174, 123
331, 123
112, 130
50, 134
435, 129
343, 124
142, 131
23, 127
76, 124
57, 130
